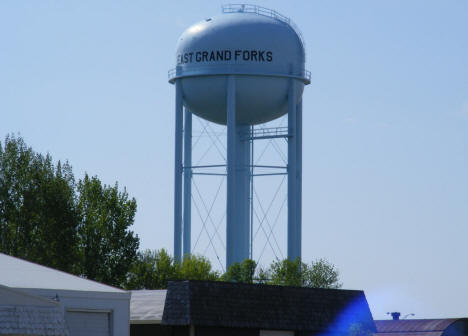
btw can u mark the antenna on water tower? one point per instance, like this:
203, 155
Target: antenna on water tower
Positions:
240, 69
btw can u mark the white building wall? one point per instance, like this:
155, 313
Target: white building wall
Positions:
117, 304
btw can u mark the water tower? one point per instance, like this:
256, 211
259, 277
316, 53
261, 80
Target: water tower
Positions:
240, 69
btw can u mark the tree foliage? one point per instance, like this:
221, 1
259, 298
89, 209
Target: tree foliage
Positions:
322, 274
287, 272
195, 267
241, 272
151, 270
107, 247
154, 270
318, 274
47, 218
38, 216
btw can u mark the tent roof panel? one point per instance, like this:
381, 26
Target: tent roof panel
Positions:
147, 306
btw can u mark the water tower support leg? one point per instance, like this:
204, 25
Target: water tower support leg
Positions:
231, 230
293, 252
299, 179
178, 173
187, 182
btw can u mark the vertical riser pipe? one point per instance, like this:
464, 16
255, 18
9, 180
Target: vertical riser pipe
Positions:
231, 205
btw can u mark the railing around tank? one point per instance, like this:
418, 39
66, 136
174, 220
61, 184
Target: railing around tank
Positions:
172, 74
259, 10
246, 8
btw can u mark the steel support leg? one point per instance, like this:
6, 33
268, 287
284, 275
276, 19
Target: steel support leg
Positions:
178, 173
187, 182
293, 251
251, 194
299, 180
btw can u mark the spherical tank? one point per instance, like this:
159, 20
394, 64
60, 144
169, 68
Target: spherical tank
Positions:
264, 52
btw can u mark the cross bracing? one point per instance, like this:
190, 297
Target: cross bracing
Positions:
268, 197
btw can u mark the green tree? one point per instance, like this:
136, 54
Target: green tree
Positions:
317, 274
195, 267
38, 217
45, 217
241, 272
107, 246
263, 276
152, 270
321, 274
287, 272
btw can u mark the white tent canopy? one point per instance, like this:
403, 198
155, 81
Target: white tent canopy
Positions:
147, 306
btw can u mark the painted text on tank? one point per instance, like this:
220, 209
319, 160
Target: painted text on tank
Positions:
225, 55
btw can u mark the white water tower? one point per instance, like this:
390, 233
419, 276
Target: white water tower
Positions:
240, 69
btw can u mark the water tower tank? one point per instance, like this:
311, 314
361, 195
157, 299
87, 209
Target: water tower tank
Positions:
263, 50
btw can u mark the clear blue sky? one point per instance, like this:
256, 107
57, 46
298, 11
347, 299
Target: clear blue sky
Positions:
385, 126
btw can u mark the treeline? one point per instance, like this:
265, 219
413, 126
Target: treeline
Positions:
83, 227
154, 269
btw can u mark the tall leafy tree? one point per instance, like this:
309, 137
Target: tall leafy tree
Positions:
107, 246
45, 217
38, 217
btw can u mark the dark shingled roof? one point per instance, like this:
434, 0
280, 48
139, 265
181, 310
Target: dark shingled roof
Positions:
223, 304
420, 327
412, 325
